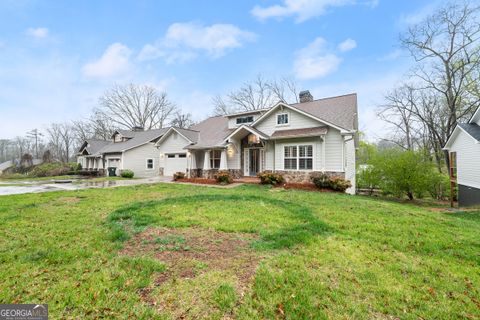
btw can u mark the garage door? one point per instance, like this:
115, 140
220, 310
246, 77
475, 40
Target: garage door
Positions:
175, 163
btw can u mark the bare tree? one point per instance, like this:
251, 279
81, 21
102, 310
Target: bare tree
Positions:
36, 136
135, 106
255, 95
61, 140
398, 114
182, 120
446, 47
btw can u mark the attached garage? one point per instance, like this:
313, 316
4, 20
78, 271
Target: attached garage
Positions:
175, 162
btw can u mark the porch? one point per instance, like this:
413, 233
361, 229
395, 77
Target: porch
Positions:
243, 154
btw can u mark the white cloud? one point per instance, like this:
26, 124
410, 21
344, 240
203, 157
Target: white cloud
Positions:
314, 61
347, 45
303, 10
37, 33
184, 41
114, 61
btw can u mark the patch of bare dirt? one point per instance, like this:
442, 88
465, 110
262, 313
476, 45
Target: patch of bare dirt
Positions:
189, 252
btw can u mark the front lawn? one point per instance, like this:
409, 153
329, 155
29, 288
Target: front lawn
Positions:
182, 251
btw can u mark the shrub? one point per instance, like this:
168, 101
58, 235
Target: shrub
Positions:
50, 169
223, 177
178, 176
339, 184
127, 174
321, 180
439, 186
404, 172
268, 177
368, 177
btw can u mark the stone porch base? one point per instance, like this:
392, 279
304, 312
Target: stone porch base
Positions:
304, 176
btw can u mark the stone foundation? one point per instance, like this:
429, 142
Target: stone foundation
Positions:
304, 176
210, 174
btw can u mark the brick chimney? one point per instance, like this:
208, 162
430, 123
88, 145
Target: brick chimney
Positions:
305, 96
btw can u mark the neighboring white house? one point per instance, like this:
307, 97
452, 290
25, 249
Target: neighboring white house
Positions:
293, 139
464, 149
134, 150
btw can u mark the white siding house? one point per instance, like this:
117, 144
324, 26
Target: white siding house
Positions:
295, 140
464, 149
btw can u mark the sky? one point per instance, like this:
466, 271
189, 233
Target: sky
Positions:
58, 57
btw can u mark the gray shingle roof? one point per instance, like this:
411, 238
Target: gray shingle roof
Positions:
95, 145
139, 138
340, 111
472, 129
212, 132
191, 135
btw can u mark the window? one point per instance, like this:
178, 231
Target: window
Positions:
215, 159
171, 156
246, 119
282, 118
290, 158
298, 157
182, 155
305, 157
150, 164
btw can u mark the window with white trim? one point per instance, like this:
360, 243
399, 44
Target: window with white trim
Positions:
246, 119
215, 156
298, 157
149, 164
282, 118
305, 157
290, 158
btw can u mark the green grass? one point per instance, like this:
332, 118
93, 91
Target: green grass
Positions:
324, 255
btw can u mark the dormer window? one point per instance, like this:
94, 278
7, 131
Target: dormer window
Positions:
282, 119
246, 119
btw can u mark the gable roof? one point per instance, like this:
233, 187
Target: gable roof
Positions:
212, 132
340, 111
249, 129
139, 138
190, 135
93, 146
471, 129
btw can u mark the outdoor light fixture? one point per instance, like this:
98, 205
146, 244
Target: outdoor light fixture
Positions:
253, 138
230, 150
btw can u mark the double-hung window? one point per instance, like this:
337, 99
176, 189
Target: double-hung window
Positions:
290, 158
298, 157
150, 164
215, 156
305, 157
282, 119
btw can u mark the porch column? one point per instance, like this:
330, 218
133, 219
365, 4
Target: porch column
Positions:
223, 160
192, 163
206, 161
